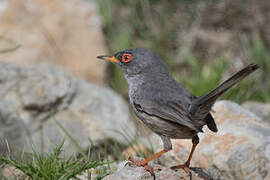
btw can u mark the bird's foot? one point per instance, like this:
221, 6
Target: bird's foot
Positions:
185, 167
142, 163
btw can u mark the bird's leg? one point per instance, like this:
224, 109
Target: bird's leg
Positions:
144, 162
185, 166
167, 146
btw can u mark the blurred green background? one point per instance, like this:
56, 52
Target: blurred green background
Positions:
202, 42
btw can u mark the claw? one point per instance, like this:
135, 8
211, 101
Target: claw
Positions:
137, 162
142, 163
185, 167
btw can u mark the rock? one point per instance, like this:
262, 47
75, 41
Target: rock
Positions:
261, 110
97, 173
240, 149
131, 172
65, 32
34, 97
10, 172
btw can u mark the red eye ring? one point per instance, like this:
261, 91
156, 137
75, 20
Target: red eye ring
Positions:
126, 58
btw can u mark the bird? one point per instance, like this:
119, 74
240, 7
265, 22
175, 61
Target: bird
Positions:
163, 104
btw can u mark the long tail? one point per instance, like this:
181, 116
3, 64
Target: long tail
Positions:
202, 105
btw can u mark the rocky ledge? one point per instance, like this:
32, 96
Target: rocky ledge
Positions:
127, 171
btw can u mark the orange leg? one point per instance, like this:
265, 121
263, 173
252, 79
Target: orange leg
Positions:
185, 166
144, 162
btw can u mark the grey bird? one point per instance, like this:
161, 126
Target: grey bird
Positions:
163, 104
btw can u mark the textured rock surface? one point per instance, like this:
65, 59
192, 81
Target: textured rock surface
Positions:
33, 97
130, 172
63, 32
261, 110
240, 150
12, 173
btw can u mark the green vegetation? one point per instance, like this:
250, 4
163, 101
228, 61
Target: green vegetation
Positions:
206, 78
56, 166
154, 25
52, 166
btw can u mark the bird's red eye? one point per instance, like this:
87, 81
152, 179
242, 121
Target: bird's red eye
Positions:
126, 58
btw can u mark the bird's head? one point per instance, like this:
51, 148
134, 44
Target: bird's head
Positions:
136, 61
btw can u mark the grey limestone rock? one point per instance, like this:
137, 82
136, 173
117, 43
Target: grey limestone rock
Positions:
261, 110
35, 96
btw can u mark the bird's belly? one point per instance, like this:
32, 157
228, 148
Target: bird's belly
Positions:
166, 128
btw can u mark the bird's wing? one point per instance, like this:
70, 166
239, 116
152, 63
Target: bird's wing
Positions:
173, 111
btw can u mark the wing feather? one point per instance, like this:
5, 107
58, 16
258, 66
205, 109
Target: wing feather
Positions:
170, 111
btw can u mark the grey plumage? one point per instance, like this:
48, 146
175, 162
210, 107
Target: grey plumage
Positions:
162, 103
154, 94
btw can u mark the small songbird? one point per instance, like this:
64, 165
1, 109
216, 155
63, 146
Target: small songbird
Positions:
163, 104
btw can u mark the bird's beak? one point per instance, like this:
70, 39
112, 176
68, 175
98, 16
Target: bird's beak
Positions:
109, 58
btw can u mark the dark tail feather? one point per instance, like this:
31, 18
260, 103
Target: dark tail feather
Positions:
202, 105
209, 120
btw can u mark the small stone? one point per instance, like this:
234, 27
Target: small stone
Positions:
13, 173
